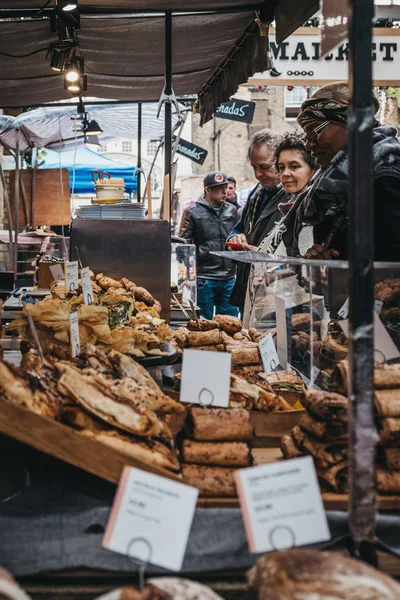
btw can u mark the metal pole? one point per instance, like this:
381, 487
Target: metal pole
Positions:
16, 204
9, 217
139, 153
167, 104
363, 436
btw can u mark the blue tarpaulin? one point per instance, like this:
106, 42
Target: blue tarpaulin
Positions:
81, 164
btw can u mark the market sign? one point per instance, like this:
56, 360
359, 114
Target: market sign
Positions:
190, 151
236, 110
298, 60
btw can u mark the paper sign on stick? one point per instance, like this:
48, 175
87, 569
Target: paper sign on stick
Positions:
281, 331
151, 518
58, 272
71, 276
269, 356
206, 378
75, 339
86, 286
281, 505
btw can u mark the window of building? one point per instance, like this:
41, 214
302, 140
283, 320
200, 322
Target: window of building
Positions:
294, 98
127, 147
103, 149
152, 146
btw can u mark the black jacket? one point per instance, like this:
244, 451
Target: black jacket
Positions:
261, 227
209, 230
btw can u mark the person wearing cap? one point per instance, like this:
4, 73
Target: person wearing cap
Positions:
324, 205
207, 225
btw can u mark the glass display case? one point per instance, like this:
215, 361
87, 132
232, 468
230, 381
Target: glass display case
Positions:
304, 306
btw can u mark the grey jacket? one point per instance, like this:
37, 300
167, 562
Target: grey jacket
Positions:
208, 231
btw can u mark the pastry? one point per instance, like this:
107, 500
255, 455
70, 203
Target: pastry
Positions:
228, 323
217, 482
387, 402
205, 325
204, 338
326, 406
224, 454
325, 454
219, 424
289, 448
245, 356
335, 477
324, 430
389, 431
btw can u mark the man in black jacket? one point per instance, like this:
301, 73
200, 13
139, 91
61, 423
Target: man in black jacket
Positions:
208, 224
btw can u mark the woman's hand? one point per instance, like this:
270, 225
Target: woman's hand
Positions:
248, 247
319, 252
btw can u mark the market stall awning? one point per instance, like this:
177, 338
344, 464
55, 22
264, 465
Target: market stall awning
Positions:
213, 52
55, 126
81, 164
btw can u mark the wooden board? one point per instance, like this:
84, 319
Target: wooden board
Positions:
271, 426
47, 206
68, 445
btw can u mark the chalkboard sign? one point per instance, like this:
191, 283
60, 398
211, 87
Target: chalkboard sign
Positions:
192, 152
236, 110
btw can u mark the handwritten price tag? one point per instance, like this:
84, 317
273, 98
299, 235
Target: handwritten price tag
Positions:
87, 286
71, 276
269, 355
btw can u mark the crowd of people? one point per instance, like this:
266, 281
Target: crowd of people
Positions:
299, 206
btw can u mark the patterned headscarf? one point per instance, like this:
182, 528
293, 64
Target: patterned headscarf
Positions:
329, 103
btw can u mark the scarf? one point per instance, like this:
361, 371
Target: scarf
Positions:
255, 203
326, 199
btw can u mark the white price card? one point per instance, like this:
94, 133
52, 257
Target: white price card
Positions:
57, 271
87, 286
385, 348
44, 245
75, 339
151, 518
378, 306
71, 276
281, 331
344, 311
206, 377
269, 355
281, 505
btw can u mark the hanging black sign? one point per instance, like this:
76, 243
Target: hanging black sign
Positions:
236, 110
192, 152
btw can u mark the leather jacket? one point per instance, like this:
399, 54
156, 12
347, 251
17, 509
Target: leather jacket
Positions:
208, 230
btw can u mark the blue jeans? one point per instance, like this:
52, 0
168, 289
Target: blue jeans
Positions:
215, 293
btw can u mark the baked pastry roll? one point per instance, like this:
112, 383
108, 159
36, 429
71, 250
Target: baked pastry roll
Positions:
388, 482
289, 447
324, 430
327, 406
212, 482
223, 454
392, 458
219, 424
204, 338
334, 478
205, 325
387, 377
228, 323
242, 355
107, 282
389, 431
325, 454
387, 402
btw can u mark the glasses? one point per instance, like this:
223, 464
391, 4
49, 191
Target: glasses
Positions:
312, 136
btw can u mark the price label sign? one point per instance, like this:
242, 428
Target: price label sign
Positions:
75, 339
281, 505
269, 355
86, 286
206, 378
344, 311
151, 519
44, 245
378, 306
71, 276
58, 272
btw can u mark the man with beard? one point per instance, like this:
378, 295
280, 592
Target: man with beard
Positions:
261, 211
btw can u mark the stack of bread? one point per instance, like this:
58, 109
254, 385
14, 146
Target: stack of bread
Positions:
388, 292
387, 411
215, 442
223, 334
323, 434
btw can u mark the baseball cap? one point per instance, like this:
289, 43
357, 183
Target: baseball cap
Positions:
215, 178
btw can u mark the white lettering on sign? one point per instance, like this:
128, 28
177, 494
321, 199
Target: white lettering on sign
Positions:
151, 518
240, 111
281, 505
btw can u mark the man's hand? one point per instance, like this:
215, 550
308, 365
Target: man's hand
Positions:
239, 239
319, 252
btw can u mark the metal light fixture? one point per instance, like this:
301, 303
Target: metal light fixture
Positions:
67, 5
92, 143
92, 128
75, 69
76, 87
58, 58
